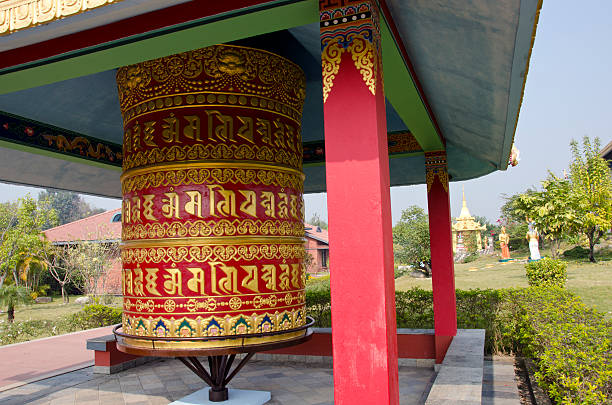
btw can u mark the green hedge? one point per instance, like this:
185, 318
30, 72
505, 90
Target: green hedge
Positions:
570, 342
546, 271
96, 316
92, 316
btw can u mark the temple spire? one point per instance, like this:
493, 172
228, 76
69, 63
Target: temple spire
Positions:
465, 213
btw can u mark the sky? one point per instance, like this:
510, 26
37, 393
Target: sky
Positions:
567, 96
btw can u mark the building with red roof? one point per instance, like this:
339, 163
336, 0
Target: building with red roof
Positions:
102, 228
317, 245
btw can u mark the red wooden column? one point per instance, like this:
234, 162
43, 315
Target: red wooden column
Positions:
443, 272
359, 208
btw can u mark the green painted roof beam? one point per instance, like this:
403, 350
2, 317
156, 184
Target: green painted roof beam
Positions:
231, 28
401, 90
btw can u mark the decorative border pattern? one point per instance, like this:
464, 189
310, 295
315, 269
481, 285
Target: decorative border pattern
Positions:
210, 99
214, 253
18, 15
435, 165
190, 305
353, 29
163, 178
203, 228
217, 68
208, 151
15, 129
214, 325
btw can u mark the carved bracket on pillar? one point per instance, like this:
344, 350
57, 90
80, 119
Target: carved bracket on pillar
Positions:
435, 166
353, 27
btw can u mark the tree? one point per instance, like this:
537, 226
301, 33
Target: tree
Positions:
12, 296
20, 233
62, 266
68, 205
317, 221
552, 210
411, 239
92, 261
591, 184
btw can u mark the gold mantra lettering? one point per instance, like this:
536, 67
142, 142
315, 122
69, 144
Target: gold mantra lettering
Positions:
133, 283
212, 127
221, 203
222, 279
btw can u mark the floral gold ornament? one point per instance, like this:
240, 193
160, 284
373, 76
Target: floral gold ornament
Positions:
212, 208
435, 166
352, 29
18, 15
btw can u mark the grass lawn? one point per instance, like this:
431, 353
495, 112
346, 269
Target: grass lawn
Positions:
51, 311
591, 281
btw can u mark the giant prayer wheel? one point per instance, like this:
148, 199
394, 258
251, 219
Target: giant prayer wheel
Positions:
212, 239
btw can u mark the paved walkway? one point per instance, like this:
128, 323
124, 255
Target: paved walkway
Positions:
57, 371
499, 385
164, 381
21, 363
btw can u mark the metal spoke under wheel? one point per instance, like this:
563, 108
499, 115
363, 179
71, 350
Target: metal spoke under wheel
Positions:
218, 375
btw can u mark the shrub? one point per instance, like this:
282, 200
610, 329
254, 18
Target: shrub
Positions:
21, 331
471, 257
95, 316
570, 343
546, 271
577, 252
318, 305
414, 308
316, 282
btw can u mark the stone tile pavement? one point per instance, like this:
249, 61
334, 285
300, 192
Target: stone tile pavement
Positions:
166, 380
499, 385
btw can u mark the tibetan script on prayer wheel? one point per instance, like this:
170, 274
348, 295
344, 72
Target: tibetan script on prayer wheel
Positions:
212, 239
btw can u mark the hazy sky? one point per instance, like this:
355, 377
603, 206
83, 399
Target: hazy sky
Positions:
567, 96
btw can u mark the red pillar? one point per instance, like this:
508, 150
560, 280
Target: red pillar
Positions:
359, 207
443, 273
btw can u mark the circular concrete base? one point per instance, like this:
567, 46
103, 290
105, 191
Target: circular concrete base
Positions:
236, 397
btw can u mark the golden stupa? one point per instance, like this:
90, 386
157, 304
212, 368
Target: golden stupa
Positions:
465, 225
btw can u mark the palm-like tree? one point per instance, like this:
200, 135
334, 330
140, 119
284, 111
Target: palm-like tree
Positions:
12, 296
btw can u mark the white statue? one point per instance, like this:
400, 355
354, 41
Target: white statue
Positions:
533, 238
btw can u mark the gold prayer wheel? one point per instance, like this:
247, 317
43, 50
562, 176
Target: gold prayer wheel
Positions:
212, 183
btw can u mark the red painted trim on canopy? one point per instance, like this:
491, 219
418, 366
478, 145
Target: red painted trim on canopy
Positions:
402, 48
140, 24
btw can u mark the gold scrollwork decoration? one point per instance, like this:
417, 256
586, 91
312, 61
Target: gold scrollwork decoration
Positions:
203, 254
203, 228
160, 176
18, 15
435, 166
364, 56
214, 325
330, 59
216, 68
217, 152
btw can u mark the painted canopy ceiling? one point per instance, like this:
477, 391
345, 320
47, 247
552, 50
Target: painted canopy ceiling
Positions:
469, 57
